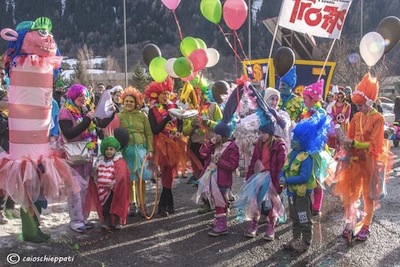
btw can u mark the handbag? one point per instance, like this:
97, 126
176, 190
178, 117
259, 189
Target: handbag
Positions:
76, 152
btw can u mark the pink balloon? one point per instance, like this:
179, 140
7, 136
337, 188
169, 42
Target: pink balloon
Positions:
192, 75
234, 13
171, 4
199, 59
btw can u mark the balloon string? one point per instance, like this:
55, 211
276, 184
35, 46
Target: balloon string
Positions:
230, 45
236, 62
177, 24
241, 46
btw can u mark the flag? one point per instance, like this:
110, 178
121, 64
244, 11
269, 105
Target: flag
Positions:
322, 18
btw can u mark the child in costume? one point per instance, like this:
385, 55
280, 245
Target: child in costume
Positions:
112, 182
312, 96
261, 189
221, 157
309, 137
364, 167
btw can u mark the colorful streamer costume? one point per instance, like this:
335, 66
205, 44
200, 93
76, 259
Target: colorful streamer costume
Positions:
31, 172
365, 160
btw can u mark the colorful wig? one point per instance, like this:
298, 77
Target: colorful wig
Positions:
75, 90
135, 93
109, 141
154, 89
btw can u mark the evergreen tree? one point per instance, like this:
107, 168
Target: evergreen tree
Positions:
140, 78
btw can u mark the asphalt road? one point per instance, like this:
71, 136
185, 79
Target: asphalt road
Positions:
182, 240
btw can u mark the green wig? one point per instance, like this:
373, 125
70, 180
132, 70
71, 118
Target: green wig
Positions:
109, 141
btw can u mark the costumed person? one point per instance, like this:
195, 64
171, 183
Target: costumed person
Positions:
312, 96
364, 167
330, 101
200, 129
78, 124
261, 189
272, 98
221, 159
111, 176
140, 144
298, 176
340, 114
169, 147
290, 102
32, 173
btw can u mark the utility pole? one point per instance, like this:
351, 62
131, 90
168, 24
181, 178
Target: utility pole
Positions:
362, 15
125, 48
249, 16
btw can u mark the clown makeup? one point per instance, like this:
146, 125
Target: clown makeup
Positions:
110, 152
285, 89
129, 103
272, 101
163, 98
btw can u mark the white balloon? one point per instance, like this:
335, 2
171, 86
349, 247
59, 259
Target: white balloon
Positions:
169, 67
372, 47
213, 57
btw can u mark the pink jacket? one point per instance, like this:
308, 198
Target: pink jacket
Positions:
227, 163
278, 155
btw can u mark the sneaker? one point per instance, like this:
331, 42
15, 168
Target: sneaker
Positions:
118, 226
363, 234
300, 246
270, 231
251, 230
220, 226
133, 210
81, 229
105, 227
204, 208
162, 211
347, 233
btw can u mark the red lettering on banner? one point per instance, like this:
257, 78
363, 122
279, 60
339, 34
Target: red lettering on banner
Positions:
329, 18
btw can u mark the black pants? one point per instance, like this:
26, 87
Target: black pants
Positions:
107, 207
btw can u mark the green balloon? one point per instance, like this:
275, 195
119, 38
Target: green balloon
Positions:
157, 70
211, 10
182, 67
188, 45
201, 43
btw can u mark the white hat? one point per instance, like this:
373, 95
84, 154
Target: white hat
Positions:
116, 89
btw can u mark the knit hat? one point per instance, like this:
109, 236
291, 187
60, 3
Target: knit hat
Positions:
223, 129
109, 141
315, 90
270, 92
154, 89
366, 91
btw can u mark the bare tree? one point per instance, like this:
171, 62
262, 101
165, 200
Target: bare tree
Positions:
83, 63
111, 64
350, 72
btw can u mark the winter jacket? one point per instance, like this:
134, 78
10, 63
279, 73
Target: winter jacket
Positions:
277, 160
227, 163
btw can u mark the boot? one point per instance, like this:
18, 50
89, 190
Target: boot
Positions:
39, 209
220, 226
270, 231
30, 228
162, 203
252, 228
170, 202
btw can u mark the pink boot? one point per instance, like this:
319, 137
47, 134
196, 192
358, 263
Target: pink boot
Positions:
270, 231
220, 225
252, 228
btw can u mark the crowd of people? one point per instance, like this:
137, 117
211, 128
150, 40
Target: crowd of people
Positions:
290, 141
